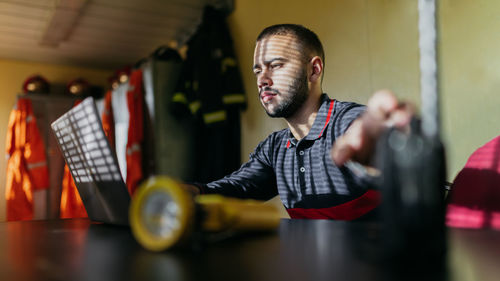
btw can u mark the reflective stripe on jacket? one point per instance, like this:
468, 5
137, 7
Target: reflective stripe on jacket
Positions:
27, 163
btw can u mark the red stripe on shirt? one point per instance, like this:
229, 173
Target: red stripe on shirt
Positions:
347, 211
288, 144
328, 116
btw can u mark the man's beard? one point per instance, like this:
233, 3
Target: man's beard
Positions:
297, 95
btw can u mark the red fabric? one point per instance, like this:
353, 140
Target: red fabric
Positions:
108, 121
27, 165
474, 200
71, 202
71, 205
347, 211
135, 101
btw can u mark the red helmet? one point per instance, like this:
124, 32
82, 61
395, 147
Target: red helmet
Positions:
123, 74
113, 81
36, 84
78, 86
120, 76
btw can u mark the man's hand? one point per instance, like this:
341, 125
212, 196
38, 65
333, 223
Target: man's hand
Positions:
359, 141
192, 189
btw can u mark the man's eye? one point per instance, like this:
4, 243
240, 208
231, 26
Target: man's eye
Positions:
276, 66
256, 71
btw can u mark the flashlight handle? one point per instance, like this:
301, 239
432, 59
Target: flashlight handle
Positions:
230, 214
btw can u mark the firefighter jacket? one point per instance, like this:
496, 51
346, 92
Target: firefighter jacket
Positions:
71, 202
108, 122
26, 166
71, 205
135, 102
210, 91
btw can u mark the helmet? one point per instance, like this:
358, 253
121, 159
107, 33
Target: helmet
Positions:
120, 76
78, 86
123, 74
36, 84
113, 81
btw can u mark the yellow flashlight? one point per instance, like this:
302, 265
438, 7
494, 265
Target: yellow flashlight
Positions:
163, 214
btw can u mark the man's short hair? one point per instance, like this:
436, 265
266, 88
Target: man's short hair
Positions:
308, 39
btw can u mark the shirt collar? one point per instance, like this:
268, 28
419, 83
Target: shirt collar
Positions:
323, 117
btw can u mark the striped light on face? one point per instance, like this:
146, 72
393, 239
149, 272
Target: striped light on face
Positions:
278, 66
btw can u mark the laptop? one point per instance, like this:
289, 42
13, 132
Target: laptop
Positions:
93, 164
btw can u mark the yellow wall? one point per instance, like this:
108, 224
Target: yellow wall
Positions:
373, 44
12, 76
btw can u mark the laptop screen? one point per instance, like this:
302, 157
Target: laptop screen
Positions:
92, 163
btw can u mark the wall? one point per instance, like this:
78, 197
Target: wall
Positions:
373, 44
470, 73
12, 76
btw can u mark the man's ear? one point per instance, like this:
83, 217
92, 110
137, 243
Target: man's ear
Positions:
317, 69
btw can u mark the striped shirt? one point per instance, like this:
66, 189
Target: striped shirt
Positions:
309, 184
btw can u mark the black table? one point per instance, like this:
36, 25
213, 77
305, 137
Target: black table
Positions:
78, 249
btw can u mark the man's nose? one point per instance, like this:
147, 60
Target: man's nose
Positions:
264, 80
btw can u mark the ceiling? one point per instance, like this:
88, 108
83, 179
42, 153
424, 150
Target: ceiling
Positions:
95, 33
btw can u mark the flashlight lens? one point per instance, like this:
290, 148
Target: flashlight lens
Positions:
160, 214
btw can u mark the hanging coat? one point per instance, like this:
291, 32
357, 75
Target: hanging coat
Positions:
71, 203
211, 90
26, 166
108, 122
135, 102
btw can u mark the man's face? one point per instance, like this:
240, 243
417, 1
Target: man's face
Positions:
281, 75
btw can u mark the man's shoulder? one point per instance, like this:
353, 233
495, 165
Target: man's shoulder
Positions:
347, 105
274, 139
278, 135
342, 105
347, 110
345, 113
267, 148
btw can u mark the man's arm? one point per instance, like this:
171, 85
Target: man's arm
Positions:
255, 179
358, 143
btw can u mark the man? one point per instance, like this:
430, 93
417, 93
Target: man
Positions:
298, 163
